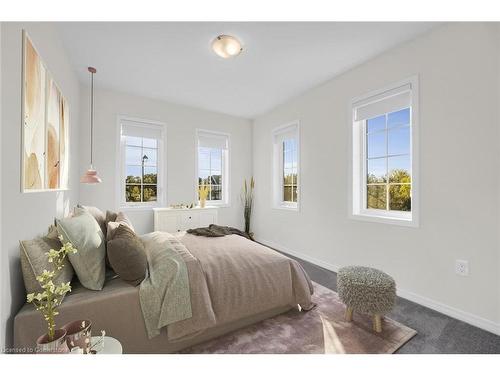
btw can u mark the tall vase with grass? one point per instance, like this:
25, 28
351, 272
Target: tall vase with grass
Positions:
247, 198
50, 298
203, 193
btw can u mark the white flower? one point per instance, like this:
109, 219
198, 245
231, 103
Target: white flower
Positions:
40, 296
52, 254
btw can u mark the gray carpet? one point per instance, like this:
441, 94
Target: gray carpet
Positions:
437, 333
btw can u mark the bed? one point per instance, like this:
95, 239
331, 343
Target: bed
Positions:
234, 282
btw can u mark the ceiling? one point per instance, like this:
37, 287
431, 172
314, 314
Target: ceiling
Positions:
174, 61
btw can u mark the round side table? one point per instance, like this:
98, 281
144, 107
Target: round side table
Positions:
109, 345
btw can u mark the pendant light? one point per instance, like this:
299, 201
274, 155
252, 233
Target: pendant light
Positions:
91, 177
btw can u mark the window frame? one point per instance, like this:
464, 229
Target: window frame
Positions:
226, 171
278, 169
160, 167
358, 182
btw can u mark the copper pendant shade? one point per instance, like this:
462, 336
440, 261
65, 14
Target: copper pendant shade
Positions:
90, 176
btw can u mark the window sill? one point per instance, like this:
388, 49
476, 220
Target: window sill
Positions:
408, 221
286, 207
217, 204
139, 208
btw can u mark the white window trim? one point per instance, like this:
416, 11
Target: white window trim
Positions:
357, 187
226, 173
161, 166
277, 170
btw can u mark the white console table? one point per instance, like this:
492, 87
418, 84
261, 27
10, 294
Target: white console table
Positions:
178, 219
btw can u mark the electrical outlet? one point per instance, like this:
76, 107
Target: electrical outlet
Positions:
462, 267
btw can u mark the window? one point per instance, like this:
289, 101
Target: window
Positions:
141, 149
384, 140
213, 166
286, 166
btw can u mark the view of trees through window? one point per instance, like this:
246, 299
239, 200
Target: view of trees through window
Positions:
290, 170
388, 161
141, 163
210, 171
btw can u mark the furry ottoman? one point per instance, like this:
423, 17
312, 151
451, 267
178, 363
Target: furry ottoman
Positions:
366, 290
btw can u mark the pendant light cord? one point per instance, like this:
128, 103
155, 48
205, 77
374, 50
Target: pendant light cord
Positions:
90, 176
91, 119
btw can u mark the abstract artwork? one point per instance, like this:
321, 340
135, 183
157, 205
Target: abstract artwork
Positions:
45, 126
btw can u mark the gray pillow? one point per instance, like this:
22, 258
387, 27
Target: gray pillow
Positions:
110, 216
127, 256
34, 261
85, 234
98, 215
121, 219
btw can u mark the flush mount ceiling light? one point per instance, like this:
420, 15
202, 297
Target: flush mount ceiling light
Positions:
227, 46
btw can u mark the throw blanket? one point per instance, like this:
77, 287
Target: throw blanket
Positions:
214, 230
164, 295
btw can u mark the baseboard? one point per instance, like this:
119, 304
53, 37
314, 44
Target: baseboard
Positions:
464, 316
316, 261
453, 312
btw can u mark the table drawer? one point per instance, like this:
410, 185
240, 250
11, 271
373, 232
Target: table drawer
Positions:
167, 223
176, 220
190, 220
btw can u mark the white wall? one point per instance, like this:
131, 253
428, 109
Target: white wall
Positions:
2, 286
26, 215
181, 123
458, 65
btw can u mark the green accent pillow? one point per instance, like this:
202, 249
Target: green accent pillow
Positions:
85, 234
98, 215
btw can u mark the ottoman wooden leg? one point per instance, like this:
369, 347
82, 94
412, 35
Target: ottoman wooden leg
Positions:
377, 323
348, 314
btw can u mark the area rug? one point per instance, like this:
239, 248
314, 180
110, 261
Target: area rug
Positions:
322, 330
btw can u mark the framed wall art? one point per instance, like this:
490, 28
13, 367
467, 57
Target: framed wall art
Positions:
45, 161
